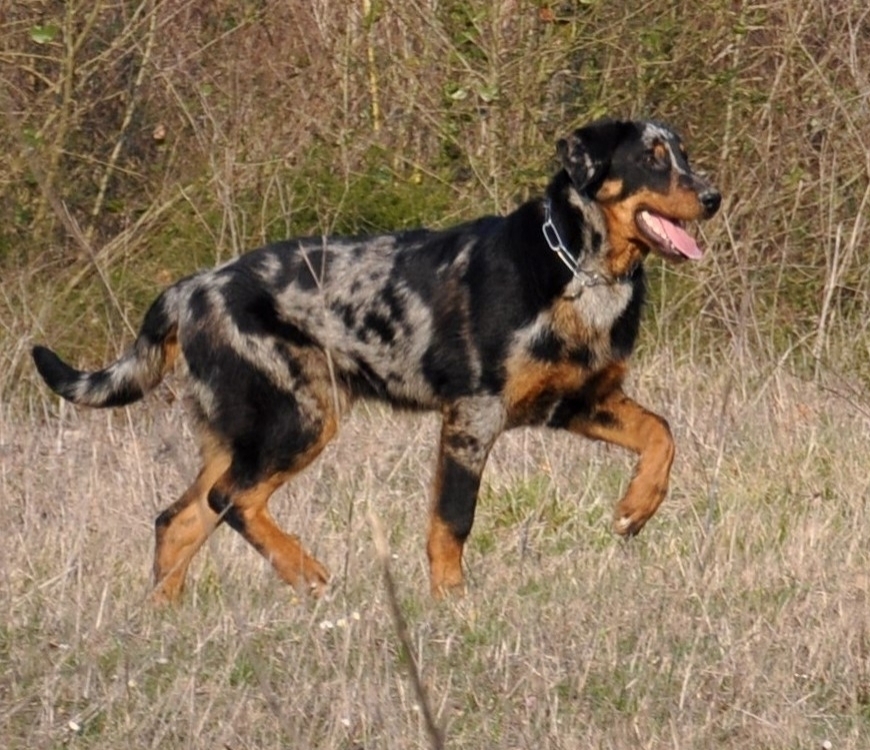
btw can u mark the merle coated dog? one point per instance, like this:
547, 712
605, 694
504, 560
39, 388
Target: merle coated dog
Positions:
525, 319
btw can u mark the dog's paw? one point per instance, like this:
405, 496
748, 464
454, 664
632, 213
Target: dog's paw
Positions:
627, 526
448, 590
314, 578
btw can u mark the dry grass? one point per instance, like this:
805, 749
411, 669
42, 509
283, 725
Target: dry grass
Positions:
738, 619
142, 140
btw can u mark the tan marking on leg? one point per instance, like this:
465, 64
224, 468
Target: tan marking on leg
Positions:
445, 559
443, 548
284, 551
468, 430
171, 348
649, 436
189, 526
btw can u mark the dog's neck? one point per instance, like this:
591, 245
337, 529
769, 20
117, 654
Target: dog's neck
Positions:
573, 263
587, 269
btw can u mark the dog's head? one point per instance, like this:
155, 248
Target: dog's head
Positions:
639, 175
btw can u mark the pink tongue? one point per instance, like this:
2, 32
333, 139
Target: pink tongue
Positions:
672, 234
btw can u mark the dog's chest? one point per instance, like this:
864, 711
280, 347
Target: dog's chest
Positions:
583, 323
598, 308
565, 347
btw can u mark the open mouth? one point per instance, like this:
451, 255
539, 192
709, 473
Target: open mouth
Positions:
668, 236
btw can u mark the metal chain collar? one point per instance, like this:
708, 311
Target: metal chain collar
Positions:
554, 240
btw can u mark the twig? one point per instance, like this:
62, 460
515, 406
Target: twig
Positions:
60, 208
436, 738
128, 117
368, 24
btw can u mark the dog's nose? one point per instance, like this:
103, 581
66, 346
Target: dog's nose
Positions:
710, 200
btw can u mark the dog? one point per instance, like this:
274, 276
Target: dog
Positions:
502, 322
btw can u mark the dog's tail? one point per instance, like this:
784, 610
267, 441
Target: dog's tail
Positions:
128, 379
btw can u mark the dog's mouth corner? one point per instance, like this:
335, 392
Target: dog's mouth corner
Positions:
667, 235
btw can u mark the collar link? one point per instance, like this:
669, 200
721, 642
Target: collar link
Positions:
554, 240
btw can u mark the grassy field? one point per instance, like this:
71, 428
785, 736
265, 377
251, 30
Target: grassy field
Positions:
739, 618
141, 140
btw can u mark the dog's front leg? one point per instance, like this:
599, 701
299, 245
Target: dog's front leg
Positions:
469, 429
618, 419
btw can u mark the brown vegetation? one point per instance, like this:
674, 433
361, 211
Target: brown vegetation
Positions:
142, 140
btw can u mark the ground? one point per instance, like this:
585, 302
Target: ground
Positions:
736, 619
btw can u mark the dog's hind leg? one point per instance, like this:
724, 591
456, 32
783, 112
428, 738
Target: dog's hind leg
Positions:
468, 431
245, 511
242, 492
183, 527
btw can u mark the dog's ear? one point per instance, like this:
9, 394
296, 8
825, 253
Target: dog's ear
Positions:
585, 154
